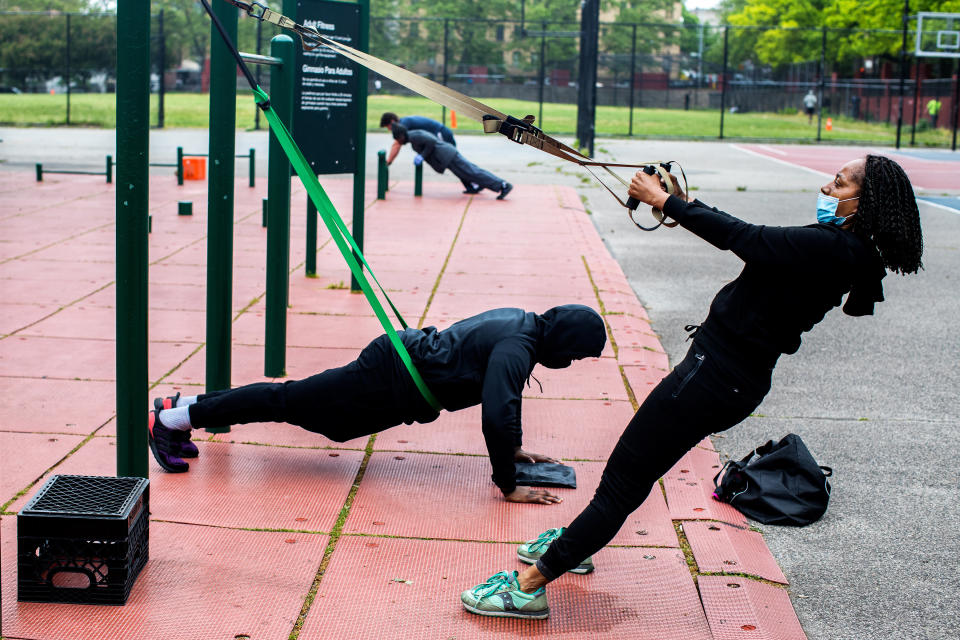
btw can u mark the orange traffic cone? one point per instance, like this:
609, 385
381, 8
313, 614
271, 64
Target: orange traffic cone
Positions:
453, 119
829, 124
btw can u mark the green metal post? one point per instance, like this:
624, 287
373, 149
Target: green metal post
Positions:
381, 175
418, 180
220, 183
133, 146
180, 166
311, 265
263, 222
278, 212
359, 174
39, 172
109, 169
253, 171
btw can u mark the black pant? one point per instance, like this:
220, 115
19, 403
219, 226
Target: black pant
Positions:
469, 172
372, 393
702, 395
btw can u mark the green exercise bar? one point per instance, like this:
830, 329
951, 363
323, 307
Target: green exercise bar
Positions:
278, 212
132, 198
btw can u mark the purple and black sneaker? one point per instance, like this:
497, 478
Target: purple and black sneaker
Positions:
162, 445
183, 447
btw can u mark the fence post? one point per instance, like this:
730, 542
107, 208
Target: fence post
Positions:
278, 213
418, 179
543, 69
723, 78
132, 202
256, 110
587, 82
381, 175
220, 183
903, 67
359, 174
180, 166
633, 73
109, 169
956, 106
39, 172
916, 101
823, 71
162, 70
446, 32
68, 68
253, 167
311, 263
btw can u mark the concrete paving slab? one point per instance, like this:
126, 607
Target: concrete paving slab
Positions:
199, 583
398, 489
743, 609
26, 456
575, 429
689, 488
14, 317
55, 406
241, 486
414, 586
720, 548
283, 435
309, 330
587, 379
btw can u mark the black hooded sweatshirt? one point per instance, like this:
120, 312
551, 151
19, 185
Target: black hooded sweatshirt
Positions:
791, 277
486, 359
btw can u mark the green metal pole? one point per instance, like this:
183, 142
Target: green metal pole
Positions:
180, 166
418, 180
253, 171
278, 212
359, 174
263, 222
311, 265
133, 146
109, 169
381, 175
220, 183
39, 172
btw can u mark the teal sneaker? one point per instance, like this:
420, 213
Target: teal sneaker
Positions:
531, 550
500, 596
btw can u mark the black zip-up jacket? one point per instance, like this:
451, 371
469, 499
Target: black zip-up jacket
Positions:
791, 277
486, 359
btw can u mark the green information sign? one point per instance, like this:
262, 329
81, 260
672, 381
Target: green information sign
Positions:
325, 113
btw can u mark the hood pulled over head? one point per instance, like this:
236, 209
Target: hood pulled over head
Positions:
570, 332
399, 132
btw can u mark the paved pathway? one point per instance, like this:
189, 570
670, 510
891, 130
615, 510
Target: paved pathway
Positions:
276, 530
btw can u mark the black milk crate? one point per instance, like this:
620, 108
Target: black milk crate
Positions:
83, 540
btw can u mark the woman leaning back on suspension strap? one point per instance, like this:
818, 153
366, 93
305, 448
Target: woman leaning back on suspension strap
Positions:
868, 223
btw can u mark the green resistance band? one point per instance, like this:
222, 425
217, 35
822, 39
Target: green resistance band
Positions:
342, 236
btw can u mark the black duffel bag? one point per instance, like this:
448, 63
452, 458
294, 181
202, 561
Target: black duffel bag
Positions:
782, 485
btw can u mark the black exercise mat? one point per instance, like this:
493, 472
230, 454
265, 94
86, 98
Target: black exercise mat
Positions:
546, 474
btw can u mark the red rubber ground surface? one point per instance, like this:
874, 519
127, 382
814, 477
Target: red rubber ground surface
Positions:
237, 542
743, 609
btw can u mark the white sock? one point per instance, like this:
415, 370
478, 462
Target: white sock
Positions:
186, 401
177, 418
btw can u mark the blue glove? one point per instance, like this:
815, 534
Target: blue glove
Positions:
418, 160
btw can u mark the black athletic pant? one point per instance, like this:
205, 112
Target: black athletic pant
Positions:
372, 393
702, 395
469, 172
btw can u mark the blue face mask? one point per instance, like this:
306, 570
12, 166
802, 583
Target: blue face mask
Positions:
827, 209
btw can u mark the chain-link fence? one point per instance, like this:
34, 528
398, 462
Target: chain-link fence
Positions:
655, 80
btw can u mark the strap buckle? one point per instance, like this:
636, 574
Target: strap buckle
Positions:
513, 128
251, 8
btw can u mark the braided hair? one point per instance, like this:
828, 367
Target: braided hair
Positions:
887, 215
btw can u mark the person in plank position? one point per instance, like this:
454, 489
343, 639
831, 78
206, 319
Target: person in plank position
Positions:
868, 222
442, 156
485, 359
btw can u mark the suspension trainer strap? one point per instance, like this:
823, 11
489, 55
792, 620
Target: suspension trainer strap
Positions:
338, 229
518, 130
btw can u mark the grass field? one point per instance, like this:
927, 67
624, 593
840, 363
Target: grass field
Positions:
191, 110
